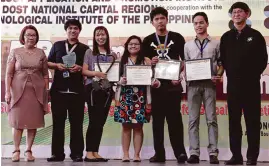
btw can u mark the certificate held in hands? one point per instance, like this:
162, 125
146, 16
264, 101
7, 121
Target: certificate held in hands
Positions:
113, 75
198, 69
138, 74
168, 69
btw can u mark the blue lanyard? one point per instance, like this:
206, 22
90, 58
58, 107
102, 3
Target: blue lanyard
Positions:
203, 45
159, 42
131, 61
124, 69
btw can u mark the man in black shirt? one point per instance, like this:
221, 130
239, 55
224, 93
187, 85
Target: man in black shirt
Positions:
67, 94
244, 57
166, 100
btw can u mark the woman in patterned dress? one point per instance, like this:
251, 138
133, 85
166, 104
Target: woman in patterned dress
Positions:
26, 90
133, 103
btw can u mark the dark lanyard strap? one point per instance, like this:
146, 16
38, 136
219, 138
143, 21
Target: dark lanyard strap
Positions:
202, 45
98, 64
105, 55
131, 61
165, 42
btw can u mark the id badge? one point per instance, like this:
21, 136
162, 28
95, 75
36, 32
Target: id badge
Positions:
65, 74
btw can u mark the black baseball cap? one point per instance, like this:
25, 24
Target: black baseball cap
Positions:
240, 5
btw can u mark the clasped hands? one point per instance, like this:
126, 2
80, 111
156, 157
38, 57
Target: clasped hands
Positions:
75, 68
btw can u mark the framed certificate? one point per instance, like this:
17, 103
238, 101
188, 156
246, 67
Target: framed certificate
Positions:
198, 69
138, 74
167, 69
113, 75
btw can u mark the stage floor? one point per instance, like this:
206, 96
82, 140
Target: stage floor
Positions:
68, 162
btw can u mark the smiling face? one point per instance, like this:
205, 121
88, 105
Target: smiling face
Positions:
72, 32
134, 46
30, 38
159, 22
239, 16
200, 25
100, 37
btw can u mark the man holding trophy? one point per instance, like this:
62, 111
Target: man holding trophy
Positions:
201, 55
66, 58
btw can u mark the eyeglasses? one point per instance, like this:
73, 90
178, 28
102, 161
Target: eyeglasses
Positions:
30, 36
133, 44
237, 12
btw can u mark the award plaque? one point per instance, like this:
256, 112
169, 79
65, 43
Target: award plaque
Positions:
69, 60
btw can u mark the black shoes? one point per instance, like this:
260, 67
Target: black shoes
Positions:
90, 160
182, 158
251, 162
213, 159
54, 158
234, 161
157, 159
102, 159
77, 159
95, 160
193, 159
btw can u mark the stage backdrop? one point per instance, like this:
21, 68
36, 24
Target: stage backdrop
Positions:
124, 18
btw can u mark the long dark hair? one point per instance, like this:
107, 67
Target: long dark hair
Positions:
95, 44
126, 53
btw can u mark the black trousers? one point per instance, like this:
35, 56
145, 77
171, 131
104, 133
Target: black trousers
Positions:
74, 103
98, 111
244, 95
167, 105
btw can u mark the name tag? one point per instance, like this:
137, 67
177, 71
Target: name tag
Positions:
66, 74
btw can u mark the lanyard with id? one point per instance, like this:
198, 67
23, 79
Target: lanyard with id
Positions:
69, 59
164, 47
130, 61
203, 45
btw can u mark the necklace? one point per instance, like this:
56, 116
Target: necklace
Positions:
29, 51
29, 62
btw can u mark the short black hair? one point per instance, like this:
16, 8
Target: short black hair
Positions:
72, 22
158, 10
203, 14
240, 5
